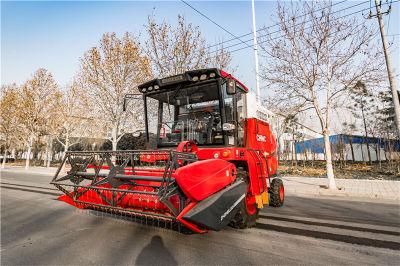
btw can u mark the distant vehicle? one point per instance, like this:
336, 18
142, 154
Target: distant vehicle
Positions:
9, 158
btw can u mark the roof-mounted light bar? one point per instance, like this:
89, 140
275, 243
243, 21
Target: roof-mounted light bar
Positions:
187, 77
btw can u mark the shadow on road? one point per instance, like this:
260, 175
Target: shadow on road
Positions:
155, 253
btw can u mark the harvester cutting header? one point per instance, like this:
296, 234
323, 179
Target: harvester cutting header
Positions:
214, 163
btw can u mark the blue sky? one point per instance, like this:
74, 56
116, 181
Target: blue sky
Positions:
55, 34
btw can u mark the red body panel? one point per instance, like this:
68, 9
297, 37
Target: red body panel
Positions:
227, 75
151, 158
203, 178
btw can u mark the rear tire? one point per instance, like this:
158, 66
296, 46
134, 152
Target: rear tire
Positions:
276, 193
243, 219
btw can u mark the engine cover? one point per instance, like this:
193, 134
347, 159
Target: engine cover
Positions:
201, 179
216, 211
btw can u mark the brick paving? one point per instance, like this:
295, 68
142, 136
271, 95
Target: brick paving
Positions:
354, 188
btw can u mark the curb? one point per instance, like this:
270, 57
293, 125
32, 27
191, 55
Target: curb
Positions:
343, 195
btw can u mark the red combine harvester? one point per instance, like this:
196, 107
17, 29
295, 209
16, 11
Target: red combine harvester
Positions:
214, 164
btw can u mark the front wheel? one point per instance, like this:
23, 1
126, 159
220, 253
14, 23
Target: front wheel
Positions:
276, 193
246, 216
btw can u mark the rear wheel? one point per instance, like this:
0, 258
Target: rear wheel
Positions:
246, 216
276, 193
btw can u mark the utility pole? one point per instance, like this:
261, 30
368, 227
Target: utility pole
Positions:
255, 51
392, 80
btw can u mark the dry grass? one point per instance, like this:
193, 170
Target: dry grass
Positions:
348, 171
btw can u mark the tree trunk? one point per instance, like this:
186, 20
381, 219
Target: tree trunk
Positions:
352, 149
66, 147
3, 165
114, 139
114, 145
369, 152
278, 148
328, 156
50, 153
29, 151
378, 155
313, 159
46, 153
366, 133
362, 152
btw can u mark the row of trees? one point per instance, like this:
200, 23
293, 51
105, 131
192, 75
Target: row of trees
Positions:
41, 111
322, 63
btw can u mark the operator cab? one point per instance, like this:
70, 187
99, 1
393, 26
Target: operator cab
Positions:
206, 106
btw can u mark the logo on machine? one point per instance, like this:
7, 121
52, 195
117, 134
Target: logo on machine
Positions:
232, 207
261, 138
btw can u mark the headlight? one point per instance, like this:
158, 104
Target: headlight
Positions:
195, 78
212, 75
156, 87
144, 89
150, 88
203, 77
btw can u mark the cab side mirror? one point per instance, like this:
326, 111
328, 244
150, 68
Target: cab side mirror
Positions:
124, 105
137, 133
231, 87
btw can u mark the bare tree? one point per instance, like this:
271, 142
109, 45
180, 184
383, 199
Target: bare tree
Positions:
175, 50
109, 71
348, 128
8, 123
361, 109
75, 119
319, 56
37, 104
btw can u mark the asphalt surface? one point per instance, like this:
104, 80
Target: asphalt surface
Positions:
37, 229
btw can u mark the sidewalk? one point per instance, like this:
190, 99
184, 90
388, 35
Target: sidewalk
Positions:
351, 188
31, 170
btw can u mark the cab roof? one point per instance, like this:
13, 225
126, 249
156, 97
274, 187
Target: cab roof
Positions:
189, 77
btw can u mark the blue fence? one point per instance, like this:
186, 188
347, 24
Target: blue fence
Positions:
317, 145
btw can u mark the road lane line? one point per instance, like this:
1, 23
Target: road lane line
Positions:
349, 221
29, 186
332, 225
31, 190
331, 236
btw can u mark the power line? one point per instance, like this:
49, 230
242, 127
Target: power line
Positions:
280, 36
215, 23
277, 31
274, 25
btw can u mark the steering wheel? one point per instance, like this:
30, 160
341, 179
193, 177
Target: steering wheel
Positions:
187, 146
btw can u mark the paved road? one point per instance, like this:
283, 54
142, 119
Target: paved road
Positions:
38, 229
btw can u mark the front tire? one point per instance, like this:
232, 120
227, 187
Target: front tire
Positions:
276, 193
245, 217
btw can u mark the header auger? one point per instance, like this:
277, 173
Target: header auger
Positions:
214, 163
